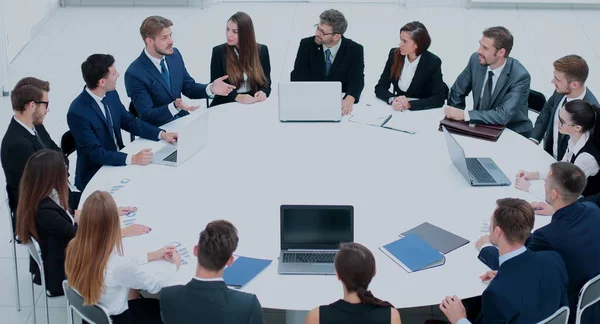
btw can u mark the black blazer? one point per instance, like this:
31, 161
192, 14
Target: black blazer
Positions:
17, 146
348, 66
427, 84
55, 231
218, 69
209, 302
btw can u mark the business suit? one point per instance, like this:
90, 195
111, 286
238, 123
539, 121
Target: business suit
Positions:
544, 125
150, 93
93, 138
426, 86
218, 68
209, 302
527, 289
348, 65
573, 233
55, 230
508, 105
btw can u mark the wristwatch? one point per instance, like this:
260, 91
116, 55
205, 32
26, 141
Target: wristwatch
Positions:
390, 100
175, 105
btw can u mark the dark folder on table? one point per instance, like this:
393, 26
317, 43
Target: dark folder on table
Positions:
412, 253
242, 270
438, 238
480, 131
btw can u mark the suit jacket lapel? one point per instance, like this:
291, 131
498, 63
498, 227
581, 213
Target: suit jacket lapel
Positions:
339, 57
149, 66
502, 79
479, 78
25, 133
92, 103
419, 73
320, 53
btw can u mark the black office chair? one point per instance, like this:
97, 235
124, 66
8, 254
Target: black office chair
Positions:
536, 101
67, 143
93, 314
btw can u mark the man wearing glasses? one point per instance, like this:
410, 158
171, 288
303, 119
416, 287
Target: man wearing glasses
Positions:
26, 134
329, 56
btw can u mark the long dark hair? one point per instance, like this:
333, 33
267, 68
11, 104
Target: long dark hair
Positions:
420, 36
249, 59
355, 265
587, 116
44, 171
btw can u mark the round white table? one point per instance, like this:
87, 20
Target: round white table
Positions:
253, 164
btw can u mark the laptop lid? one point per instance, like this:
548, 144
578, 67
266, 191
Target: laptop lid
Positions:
192, 138
310, 101
305, 227
457, 154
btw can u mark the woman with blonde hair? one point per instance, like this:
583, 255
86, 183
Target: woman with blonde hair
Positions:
98, 270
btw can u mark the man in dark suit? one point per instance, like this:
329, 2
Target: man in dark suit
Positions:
206, 297
329, 56
96, 118
573, 233
26, 135
570, 74
156, 80
500, 86
528, 287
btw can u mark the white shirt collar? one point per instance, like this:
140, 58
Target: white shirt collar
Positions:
497, 71
30, 130
412, 64
333, 49
510, 255
209, 279
98, 99
580, 97
153, 59
575, 147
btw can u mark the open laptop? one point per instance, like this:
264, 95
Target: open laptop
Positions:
311, 236
190, 140
478, 171
310, 101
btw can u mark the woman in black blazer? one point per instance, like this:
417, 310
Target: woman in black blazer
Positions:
245, 61
414, 72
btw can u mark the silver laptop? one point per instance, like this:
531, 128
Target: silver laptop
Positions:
310, 101
191, 139
311, 236
478, 171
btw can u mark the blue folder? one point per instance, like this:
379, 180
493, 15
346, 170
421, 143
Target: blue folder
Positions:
413, 254
242, 270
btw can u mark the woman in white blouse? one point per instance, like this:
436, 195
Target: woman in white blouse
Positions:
577, 120
413, 71
98, 270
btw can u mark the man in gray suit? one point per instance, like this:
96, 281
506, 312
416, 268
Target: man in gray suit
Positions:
206, 298
500, 85
570, 74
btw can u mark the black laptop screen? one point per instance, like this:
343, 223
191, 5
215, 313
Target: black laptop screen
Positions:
316, 227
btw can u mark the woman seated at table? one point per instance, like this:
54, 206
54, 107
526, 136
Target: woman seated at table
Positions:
245, 61
355, 268
577, 120
414, 72
98, 270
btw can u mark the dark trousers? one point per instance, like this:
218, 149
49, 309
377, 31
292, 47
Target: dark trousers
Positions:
141, 310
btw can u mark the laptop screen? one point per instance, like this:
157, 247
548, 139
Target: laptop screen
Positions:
316, 227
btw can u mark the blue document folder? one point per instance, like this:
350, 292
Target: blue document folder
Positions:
413, 254
242, 270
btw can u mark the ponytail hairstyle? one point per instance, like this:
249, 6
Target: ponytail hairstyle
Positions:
587, 116
420, 36
355, 266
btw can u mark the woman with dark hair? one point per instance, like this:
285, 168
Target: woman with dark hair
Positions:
577, 120
355, 268
414, 72
244, 61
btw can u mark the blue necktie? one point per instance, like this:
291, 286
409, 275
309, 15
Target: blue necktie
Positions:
327, 61
165, 73
108, 119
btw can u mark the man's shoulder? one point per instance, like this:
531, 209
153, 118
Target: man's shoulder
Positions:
352, 44
517, 69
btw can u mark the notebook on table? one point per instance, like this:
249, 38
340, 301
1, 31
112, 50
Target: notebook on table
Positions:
412, 253
440, 239
244, 269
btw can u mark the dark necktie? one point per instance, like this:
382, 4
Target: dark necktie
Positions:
327, 61
108, 118
486, 100
165, 73
38, 138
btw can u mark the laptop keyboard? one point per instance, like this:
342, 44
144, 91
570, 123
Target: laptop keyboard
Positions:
479, 172
312, 257
171, 157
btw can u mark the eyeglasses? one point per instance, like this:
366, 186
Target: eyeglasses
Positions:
321, 32
563, 123
42, 102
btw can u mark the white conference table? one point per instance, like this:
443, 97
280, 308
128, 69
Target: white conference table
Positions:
253, 164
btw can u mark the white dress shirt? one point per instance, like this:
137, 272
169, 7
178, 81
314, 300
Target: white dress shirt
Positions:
174, 110
333, 50
30, 130
495, 77
244, 86
123, 273
408, 72
502, 259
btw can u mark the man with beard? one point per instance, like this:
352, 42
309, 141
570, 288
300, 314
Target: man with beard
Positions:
500, 86
570, 74
156, 80
329, 56
26, 135
96, 118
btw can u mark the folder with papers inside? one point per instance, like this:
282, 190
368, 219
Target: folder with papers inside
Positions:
413, 254
242, 270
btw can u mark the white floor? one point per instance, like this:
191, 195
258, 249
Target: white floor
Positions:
55, 54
